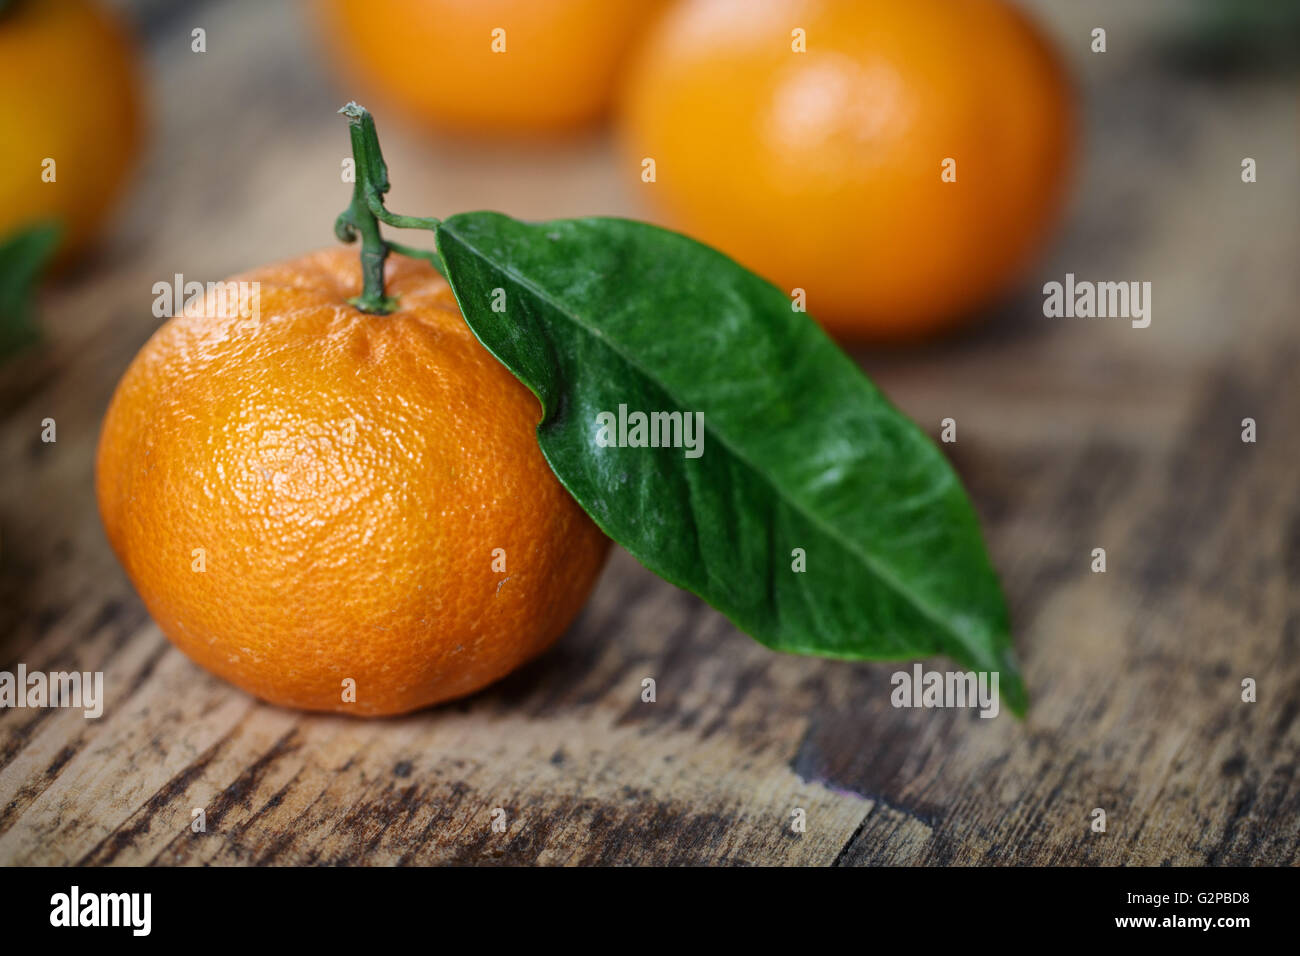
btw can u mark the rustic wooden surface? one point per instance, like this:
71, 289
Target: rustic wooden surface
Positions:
1073, 434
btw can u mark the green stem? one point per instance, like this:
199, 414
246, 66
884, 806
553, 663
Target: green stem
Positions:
366, 212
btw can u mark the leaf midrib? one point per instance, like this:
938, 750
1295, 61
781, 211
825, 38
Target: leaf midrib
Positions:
869, 560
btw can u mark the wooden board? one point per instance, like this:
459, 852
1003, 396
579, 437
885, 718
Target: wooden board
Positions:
1072, 435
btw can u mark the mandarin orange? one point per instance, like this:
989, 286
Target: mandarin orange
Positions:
901, 163
310, 498
491, 66
71, 108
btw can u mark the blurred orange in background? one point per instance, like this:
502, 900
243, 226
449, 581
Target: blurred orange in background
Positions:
71, 111
809, 139
488, 66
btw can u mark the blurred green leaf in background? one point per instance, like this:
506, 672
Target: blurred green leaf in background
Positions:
24, 256
1237, 36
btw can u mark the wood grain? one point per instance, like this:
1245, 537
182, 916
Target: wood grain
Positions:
1073, 434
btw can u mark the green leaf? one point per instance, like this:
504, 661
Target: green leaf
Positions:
23, 257
800, 450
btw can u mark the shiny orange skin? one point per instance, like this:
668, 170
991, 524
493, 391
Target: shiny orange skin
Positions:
69, 91
434, 61
349, 477
822, 170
